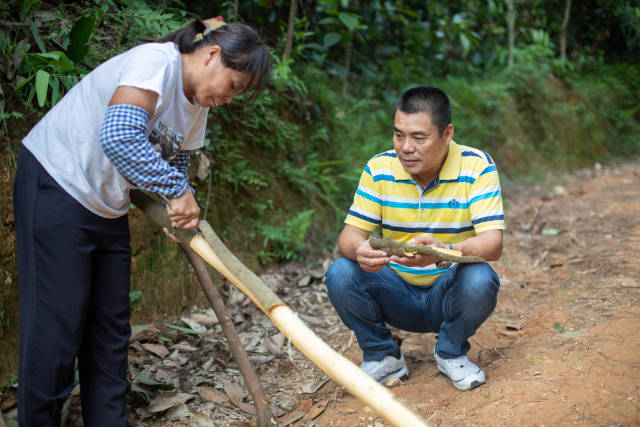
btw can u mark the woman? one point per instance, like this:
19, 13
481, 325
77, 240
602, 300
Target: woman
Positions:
130, 123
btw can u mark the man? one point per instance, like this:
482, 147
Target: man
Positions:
432, 191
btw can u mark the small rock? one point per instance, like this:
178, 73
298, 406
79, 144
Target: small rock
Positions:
305, 281
559, 190
393, 382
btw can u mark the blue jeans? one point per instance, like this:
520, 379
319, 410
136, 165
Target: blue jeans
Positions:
455, 306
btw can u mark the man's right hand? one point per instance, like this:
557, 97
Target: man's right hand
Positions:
370, 259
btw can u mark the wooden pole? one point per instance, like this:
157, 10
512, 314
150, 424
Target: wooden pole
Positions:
209, 246
265, 418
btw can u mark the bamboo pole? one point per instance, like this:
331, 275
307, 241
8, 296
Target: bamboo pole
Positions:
209, 246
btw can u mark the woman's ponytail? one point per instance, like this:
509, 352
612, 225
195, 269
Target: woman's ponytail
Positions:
185, 37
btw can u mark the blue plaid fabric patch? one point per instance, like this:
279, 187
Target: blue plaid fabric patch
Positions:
124, 141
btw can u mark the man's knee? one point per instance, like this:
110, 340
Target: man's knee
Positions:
340, 276
479, 285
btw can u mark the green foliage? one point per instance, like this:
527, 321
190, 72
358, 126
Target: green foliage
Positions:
46, 70
285, 242
136, 299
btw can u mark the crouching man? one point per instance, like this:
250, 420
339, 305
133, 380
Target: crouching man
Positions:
433, 191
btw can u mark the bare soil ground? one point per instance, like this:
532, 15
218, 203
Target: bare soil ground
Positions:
560, 348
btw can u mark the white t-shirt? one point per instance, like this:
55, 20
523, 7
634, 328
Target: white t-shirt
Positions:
66, 140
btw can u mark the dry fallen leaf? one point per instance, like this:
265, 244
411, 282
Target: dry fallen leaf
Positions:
168, 400
143, 334
185, 348
157, 349
179, 412
317, 409
211, 394
305, 405
202, 420
205, 320
234, 391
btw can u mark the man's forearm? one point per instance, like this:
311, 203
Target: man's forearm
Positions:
487, 245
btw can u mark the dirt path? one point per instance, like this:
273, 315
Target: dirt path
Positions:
560, 348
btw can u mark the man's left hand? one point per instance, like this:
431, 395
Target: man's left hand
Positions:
420, 260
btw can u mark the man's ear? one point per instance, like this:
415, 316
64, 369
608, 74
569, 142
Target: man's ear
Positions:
448, 133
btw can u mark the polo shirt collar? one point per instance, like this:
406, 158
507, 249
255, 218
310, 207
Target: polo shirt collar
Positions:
450, 169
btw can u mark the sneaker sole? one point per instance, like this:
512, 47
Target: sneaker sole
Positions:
402, 374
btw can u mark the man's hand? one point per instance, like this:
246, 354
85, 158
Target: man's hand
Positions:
371, 259
420, 260
183, 211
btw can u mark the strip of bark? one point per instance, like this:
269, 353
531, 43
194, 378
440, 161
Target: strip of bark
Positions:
392, 247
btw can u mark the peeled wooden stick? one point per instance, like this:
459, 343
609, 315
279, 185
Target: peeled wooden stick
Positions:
340, 369
393, 247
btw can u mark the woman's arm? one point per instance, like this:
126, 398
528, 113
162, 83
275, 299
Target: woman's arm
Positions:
123, 138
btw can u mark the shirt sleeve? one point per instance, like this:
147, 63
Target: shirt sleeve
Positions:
485, 201
181, 162
366, 210
125, 143
149, 71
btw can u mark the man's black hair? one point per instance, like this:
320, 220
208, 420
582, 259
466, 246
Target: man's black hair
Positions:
426, 99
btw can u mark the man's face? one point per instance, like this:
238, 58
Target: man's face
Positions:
419, 146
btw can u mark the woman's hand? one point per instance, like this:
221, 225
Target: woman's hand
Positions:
183, 211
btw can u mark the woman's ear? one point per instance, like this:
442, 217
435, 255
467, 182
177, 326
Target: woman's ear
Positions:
210, 53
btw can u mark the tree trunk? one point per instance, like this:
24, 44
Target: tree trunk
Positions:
347, 65
563, 30
235, 10
291, 26
511, 15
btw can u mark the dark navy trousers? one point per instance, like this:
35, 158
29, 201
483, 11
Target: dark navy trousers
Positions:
73, 278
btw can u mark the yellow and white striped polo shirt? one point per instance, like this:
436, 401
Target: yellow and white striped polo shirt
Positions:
463, 200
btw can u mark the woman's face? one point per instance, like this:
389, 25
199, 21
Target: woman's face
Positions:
214, 84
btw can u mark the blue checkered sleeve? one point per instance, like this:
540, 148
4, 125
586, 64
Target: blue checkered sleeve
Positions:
181, 162
124, 141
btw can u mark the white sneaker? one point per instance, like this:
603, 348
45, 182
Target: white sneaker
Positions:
387, 368
464, 374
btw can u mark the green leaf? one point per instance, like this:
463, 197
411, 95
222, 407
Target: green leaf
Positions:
558, 328
350, 21
57, 60
328, 20
464, 41
185, 330
55, 90
154, 384
80, 35
36, 36
135, 296
25, 81
42, 85
133, 328
330, 39
137, 389
551, 231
